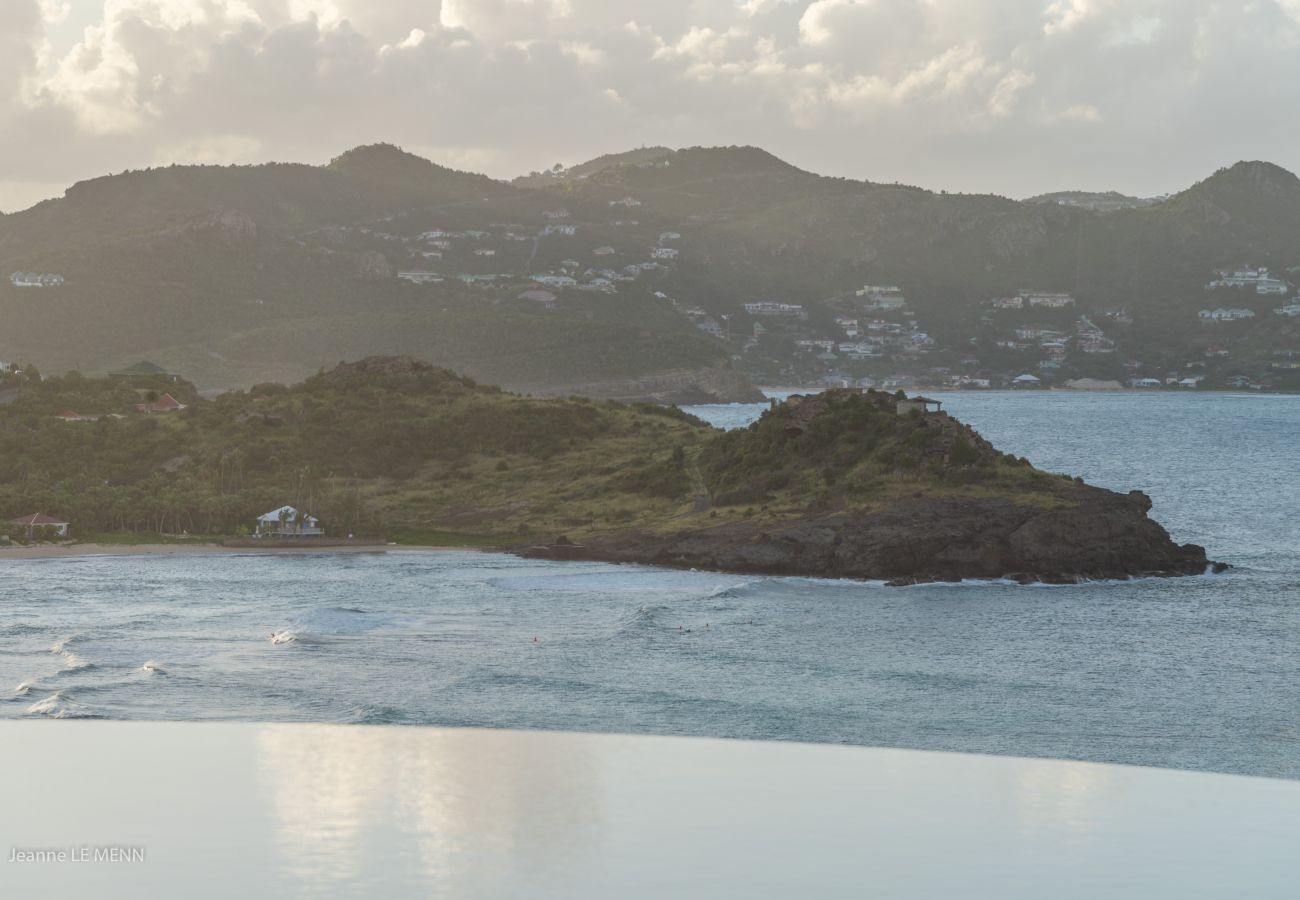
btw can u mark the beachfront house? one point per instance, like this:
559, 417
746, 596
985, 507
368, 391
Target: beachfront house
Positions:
288, 522
40, 523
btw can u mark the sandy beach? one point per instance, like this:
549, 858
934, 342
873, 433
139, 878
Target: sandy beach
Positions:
58, 551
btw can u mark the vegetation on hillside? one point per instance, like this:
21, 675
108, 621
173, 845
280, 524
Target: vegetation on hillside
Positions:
394, 447
232, 275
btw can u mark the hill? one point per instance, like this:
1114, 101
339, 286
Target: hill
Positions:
839, 484
240, 274
638, 274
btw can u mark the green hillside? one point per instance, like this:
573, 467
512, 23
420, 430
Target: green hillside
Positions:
391, 446
640, 264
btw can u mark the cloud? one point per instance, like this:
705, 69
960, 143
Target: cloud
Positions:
1015, 96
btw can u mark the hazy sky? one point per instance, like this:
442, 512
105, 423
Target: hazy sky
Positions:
1008, 96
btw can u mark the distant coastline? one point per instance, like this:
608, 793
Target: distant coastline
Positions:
771, 390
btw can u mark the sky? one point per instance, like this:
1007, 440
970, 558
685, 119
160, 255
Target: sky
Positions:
1014, 97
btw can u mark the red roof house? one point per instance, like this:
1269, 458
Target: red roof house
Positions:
164, 404
41, 520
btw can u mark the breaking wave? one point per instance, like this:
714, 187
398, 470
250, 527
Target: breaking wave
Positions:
56, 706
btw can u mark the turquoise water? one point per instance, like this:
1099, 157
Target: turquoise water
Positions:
1200, 673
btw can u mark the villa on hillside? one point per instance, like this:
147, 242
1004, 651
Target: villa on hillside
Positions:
1258, 278
416, 276
35, 279
1046, 299
41, 520
1225, 315
785, 310
288, 522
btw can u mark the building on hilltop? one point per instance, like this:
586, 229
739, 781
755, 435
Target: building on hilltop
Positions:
917, 404
144, 369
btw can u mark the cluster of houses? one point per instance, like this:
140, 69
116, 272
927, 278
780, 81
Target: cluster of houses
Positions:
569, 274
1055, 343
1257, 279
1249, 278
35, 280
882, 297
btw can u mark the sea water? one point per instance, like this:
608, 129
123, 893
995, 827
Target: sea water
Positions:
1197, 673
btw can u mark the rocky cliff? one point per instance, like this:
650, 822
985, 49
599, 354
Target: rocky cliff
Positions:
865, 485
1105, 536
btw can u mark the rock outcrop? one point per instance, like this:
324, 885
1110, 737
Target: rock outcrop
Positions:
1104, 535
865, 484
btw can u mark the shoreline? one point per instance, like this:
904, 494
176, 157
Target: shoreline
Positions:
72, 551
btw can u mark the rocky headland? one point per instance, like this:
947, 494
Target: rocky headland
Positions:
874, 486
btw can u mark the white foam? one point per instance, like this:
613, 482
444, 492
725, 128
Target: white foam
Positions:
72, 662
56, 706
283, 637
153, 667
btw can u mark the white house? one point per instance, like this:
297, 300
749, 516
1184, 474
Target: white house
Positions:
417, 276
782, 310
664, 253
288, 522
483, 251
604, 251
1225, 315
555, 280
34, 279
1047, 299
669, 236
1026, 380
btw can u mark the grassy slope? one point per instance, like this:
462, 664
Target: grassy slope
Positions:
422, 455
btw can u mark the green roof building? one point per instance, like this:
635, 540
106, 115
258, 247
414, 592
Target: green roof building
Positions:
144, 369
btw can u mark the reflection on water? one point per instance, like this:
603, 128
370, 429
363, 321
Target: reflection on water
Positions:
1069, 796
250, 811
475, 809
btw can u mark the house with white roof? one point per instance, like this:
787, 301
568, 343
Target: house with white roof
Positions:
288, 522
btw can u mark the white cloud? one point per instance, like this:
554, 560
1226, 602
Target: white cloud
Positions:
886, 89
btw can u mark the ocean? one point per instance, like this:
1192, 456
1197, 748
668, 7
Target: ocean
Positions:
1196, 673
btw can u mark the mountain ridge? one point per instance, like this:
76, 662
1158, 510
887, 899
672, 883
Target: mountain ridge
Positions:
210, 268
